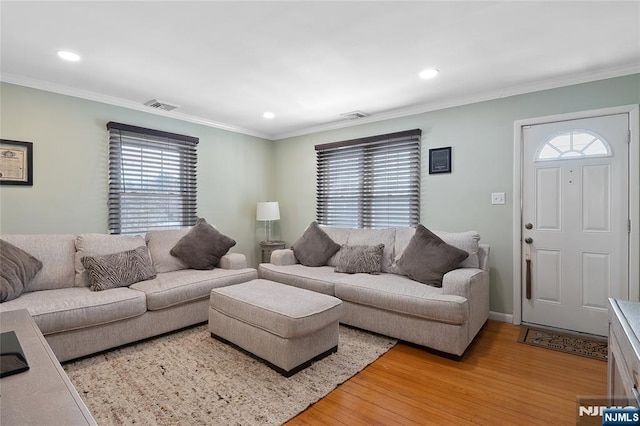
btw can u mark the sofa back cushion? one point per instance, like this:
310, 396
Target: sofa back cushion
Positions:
55, 251
468, 241
363, 237
160, 244
314, 247
372, 237
203, 246
100, 245
339, 236
17, 268
427, 258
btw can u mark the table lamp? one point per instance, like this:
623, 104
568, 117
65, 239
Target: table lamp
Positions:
268, 211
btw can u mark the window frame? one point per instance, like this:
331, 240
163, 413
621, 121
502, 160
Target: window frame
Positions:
371, 182
578, 154
140, 198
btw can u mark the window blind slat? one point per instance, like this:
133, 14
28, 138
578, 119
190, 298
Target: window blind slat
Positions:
371, 182
152, 179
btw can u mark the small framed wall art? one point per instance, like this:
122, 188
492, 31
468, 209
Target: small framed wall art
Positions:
16, 163
440, 160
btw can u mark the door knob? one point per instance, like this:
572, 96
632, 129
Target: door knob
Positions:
529, 226
528, 240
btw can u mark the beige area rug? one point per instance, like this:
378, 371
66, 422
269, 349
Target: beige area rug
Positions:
190, 378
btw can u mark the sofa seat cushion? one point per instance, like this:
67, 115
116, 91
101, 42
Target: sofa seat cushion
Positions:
400, 294
319, 279
68, 309
173, 288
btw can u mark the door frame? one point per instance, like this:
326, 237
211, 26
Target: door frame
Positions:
634, 195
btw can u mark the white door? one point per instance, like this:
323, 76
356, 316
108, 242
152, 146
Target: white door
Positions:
575, 221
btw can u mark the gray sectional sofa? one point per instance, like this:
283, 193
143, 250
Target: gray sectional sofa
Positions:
77, 321
445, 318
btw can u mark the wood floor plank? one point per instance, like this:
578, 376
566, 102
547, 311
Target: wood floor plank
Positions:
498, 381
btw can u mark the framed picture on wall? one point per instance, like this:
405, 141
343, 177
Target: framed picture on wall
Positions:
16, 163
440, 160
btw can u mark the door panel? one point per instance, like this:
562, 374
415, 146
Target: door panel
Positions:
549, 282
596, 199
548, 195
596, 272
575, 195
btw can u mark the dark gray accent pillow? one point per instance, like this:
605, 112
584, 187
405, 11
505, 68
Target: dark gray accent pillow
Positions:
17, 269
315, 247
360, 259
203, 246
427, 258
119, 269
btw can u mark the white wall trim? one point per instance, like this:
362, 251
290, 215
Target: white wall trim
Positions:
467, 100
124, 103
620, 71
499, 316
634, 196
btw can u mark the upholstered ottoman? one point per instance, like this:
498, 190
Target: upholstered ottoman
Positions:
286, 326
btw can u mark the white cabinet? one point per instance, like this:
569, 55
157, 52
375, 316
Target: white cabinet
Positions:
624, 353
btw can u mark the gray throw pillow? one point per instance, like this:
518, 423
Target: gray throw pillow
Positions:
360, 259
427, 258
17, 269
315, 247
203, 246
119, 269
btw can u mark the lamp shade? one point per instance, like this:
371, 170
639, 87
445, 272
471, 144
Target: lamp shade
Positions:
268, 210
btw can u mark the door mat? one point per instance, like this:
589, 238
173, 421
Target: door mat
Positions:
577, 345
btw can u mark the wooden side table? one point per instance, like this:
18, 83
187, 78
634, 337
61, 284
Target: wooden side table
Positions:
267, 247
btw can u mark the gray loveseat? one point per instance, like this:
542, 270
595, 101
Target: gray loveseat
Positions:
77, 321
443, 318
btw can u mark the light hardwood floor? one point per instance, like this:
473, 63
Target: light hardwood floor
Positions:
498, 382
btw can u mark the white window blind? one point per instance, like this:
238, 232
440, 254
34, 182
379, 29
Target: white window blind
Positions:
371, 182
152, 179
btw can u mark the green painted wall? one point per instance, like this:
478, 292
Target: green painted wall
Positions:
70, 188
235, 171
481, 137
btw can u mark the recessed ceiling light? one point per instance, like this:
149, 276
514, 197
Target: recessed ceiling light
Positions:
428, 73
269, 115
68, 56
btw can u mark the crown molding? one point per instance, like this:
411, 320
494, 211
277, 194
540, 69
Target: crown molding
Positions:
620, 71
467, 100
111, 100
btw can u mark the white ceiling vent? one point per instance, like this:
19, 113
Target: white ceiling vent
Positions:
154, 103
354, 115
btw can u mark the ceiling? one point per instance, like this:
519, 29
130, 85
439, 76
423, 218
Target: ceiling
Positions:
226, 63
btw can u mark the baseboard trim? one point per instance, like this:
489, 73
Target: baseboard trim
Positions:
499, 316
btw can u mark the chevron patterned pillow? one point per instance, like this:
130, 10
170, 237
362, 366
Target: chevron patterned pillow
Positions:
119, 269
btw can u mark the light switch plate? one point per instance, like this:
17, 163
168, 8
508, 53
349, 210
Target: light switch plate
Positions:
498, 198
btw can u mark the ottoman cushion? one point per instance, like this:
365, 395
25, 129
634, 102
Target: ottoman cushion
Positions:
286, 311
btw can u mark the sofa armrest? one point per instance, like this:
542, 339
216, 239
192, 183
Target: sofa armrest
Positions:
473, 284
233, 261
283, 257
459, 281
